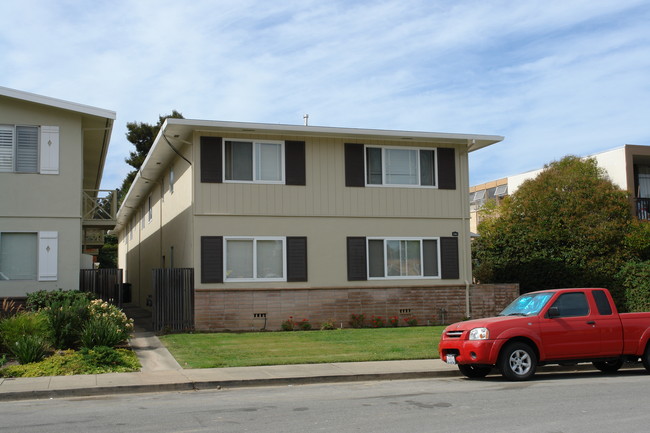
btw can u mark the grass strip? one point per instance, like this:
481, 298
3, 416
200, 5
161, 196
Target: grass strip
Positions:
209, 350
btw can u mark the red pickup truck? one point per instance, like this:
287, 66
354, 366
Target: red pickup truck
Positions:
549, 327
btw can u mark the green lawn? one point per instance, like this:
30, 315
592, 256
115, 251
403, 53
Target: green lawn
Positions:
303, 347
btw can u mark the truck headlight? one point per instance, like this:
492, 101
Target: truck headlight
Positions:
479, 334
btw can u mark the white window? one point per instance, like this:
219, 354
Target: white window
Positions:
397, 258
28, 256
254, 161
254, 259
400, 166
171, 180
150, 210
19, 149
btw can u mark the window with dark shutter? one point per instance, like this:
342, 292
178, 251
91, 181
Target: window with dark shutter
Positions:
354, 165
356, 249
294, 162
211, 259
296, 258
211, 160
449, 258
446, 168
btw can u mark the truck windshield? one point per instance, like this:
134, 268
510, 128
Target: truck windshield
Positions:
527, 305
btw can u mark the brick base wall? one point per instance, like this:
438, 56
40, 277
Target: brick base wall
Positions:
238, 310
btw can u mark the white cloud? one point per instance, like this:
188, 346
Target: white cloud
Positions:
557, 78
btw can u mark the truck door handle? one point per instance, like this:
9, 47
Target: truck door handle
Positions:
591, 322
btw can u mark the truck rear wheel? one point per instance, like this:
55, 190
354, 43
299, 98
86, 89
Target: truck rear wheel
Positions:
609, 366
518, 361
646, 358
474, 371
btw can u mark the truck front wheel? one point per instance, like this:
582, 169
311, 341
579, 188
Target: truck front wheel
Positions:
518, 361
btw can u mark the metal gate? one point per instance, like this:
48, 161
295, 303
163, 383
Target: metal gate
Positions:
105, 284
173, 299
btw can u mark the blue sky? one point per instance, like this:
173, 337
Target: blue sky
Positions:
554, 78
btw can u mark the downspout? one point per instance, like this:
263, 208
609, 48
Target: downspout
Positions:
465, 231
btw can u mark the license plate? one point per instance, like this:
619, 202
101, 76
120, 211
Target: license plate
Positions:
451, 359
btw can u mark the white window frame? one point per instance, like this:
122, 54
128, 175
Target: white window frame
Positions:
46, 259
254, 239
171, 180
149, 209
14, 148
255, 144
383, 149
403, 238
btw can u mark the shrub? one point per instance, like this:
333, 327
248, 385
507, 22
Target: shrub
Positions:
377, 322
304, 325
101, 331
327, 325
288, 325
357, 320
29, 348
69, 362
393, 321
100, 309
635, 280
411, 321
3, 360
44, 298
67, 318
13, 328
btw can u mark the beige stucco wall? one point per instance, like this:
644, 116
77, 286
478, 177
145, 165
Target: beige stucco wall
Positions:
31, 202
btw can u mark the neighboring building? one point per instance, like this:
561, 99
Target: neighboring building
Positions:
317, 222
52, 155
627, 166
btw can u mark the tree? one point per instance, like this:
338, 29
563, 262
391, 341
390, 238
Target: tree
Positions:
142, 136
568, 227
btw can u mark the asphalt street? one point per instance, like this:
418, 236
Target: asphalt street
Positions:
552, 403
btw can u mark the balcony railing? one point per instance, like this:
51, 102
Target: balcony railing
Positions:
99, 207
643, 208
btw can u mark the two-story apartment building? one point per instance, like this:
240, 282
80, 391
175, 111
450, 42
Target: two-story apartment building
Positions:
627, 166
52, 155
302, 221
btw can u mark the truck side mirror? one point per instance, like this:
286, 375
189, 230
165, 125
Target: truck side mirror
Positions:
553, 313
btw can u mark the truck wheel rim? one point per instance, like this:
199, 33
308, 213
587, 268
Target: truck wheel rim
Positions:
520, 362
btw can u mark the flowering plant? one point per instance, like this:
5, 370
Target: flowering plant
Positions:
377, 322
393, 321
411, 321
357, 320
107, 325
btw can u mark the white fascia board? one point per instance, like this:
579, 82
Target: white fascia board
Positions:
57, 103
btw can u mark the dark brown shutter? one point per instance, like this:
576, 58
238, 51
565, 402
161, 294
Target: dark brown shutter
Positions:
211, 259
446, 168
296, 258
357, 259
211, 160
294, 162
449, 258
354, 166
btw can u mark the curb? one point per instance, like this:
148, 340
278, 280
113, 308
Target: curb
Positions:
211, 385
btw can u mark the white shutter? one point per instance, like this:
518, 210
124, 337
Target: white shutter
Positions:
6, 148
49, 150
47, 256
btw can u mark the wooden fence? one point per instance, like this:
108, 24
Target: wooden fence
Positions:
173, 299
103, 283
